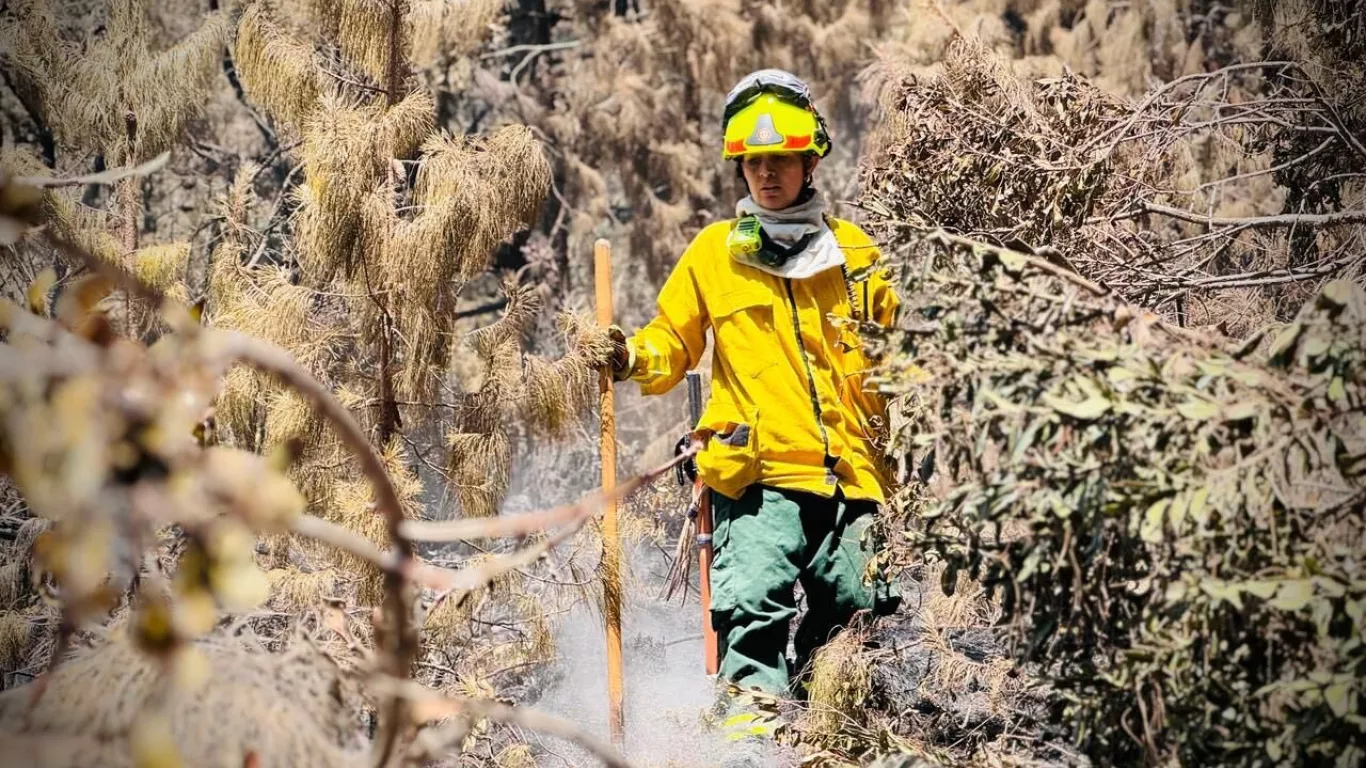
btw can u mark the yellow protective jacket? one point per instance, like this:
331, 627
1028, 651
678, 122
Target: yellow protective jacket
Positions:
788, 407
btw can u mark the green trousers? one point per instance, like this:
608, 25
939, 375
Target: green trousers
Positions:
765, 543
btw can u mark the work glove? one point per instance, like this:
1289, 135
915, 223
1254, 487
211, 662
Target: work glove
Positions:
623, 357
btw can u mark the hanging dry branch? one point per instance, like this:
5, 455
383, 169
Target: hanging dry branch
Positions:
1282, 221
280, 74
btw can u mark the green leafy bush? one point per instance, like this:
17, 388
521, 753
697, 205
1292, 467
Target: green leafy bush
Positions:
1174, 531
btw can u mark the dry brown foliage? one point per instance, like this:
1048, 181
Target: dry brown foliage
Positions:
155, 526
377, 215
1209, 198
1177, 162
357, 272
290, 708
115, 95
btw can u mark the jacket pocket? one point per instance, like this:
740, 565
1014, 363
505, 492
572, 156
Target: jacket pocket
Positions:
742, 320
730, 461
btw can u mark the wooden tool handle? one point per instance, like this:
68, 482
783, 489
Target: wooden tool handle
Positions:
611, 540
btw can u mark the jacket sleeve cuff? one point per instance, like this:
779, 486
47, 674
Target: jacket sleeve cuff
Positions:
629, 369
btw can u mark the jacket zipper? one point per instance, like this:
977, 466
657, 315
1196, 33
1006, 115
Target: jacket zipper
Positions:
810, 378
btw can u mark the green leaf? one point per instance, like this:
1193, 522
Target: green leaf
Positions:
1120, 375
1356, 610
1338, 697
1316, 345
1214, 367
1198, 510
1329, 587
1151, 530
1012, 261
1026, 439
1293, 595
1002, 404
1283, 348
1107, 354
1198, 410
1249, 377
1336, 293
1060, 507
1321, 611
1273, 750
1177, 513
1298, 685
1337, 391
1222, 590
1260, 588
1241, 411
1089, 409
1176, 591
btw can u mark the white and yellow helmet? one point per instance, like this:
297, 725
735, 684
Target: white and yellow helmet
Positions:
771, 111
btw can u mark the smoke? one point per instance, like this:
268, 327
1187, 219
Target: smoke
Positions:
667, 692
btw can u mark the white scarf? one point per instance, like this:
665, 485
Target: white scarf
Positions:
789, 225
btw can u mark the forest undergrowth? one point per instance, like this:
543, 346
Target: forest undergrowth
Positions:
296, 344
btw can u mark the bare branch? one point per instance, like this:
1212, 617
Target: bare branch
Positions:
1042, 265
487, 528
111, 176
118, 276
274, 212
397, 598
344, 539
1279, 221
574, 515
530, 48
1264, 277
1273, 169
428, 705
1334, 116
1202, 77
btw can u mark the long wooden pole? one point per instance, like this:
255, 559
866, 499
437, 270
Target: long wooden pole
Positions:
702, 500
611, 541
710, 647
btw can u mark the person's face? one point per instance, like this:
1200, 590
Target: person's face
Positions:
775, 179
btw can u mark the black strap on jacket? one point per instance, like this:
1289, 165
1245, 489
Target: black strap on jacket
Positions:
774, 254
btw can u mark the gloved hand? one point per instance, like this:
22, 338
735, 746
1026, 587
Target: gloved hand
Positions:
621, 357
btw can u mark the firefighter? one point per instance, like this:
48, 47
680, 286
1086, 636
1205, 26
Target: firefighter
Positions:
790, 425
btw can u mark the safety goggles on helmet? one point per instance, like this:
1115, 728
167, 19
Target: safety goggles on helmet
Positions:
776, 81
771, 111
